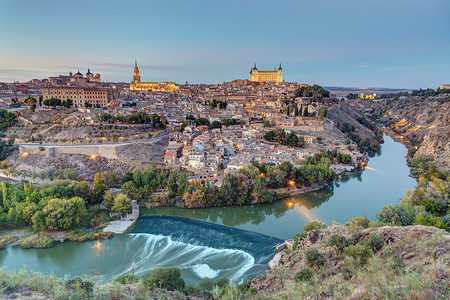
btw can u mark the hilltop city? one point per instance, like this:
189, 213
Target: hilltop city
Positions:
211, 129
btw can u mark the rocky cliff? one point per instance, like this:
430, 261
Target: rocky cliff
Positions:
424, 120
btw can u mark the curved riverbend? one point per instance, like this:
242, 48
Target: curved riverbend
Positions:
355, 194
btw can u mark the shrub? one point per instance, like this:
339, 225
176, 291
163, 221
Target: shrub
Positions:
359, 253
359, 222
222, 281
314, 224
205, 285
347, 273
80, 235
127, 279
79, 284
400, 215
5, 240
314, 258
38, 241
304, 275
430, 221
375, 242
338, 241
168, 278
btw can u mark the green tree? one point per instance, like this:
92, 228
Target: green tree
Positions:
269, 136
99, 188
292, 140
109, 197
323, 112
305, 112
173, 185
122, 204
64, 214
111, 179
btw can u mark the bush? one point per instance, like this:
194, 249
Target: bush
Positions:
347, 273
375, 242
79, 284
38, 241
222, 281
400, 215
168, 278
127, 279
314, 224
304, 275
314, 258
5, 240
359, 253
80, 235
359, 222
430, 221
205, 285
338, 241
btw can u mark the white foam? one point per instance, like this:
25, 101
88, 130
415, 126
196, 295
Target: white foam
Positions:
203, 270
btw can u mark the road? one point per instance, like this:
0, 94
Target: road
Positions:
152, 139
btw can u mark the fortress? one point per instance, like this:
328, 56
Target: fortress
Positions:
262, 76
137, 85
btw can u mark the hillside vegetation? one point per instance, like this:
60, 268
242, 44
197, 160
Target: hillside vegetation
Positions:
425, 121
352, 262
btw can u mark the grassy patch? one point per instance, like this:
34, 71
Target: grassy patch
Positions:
81, 235
38, 241
5, 240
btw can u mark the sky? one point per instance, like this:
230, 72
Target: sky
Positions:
353, 43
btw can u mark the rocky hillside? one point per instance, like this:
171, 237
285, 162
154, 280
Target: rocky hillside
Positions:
344, 262
424, 120
130, 156
69, 126
348, 113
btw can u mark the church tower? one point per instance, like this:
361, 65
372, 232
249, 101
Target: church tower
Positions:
136, 76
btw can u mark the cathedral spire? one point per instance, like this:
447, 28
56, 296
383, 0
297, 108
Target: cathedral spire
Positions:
136, 76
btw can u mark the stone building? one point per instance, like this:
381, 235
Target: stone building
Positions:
137, 85
262, 76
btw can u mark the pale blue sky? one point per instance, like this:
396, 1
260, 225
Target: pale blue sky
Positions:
363, 43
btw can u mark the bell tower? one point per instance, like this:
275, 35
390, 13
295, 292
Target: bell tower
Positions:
136, 76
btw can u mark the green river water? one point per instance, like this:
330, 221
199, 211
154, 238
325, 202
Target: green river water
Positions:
197, 243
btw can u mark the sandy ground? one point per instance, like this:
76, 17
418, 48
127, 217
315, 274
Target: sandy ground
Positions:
118, 227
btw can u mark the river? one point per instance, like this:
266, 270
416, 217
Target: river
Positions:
238, 250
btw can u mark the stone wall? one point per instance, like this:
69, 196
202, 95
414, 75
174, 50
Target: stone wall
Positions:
107, 151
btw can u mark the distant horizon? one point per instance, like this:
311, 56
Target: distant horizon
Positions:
385, 43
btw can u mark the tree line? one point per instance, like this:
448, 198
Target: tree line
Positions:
280, 136
315, 92
136, 118
428, 204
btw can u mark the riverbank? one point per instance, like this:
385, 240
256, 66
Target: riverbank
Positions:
309, 189
25, 235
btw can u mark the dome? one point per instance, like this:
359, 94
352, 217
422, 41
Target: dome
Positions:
89, 72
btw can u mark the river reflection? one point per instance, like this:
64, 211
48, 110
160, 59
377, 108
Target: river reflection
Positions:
360, 193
